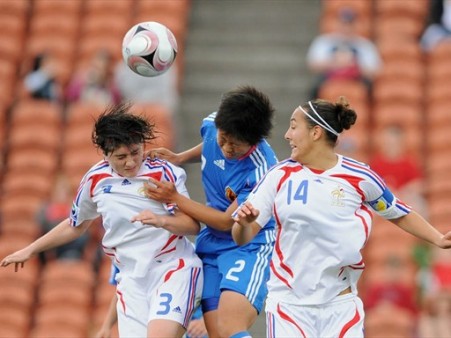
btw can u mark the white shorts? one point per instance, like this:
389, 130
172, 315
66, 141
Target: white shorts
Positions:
343, 317
171, 291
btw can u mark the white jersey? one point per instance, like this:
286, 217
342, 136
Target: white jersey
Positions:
323, 221
133, 248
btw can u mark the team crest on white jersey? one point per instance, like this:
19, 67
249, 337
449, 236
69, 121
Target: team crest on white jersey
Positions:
337, 197
220, 163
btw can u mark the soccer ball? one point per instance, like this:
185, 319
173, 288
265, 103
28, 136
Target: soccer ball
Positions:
149, 48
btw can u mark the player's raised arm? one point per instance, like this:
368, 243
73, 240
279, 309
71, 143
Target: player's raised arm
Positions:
192, 155
61, 234
179, 223
416, 225
245, 228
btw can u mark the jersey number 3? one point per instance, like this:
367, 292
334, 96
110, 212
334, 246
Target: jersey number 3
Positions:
300, 194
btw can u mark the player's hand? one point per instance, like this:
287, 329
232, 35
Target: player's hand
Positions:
246, 214
445, 241
163, 192
196, 329
164, 154
18, 258
147, 217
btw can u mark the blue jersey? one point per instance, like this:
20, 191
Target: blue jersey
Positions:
225, 180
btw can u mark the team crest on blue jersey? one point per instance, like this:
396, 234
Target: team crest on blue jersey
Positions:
337, 197
106, 189
230, 194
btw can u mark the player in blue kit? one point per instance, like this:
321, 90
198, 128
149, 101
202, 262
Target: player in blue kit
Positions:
234, 156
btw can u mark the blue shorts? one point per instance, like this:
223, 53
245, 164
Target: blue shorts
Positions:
244, 269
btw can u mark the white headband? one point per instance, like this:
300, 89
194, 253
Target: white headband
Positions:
324, 124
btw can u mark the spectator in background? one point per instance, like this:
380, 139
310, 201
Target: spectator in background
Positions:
95, 84
52, 213
40, 82
439, 27
343, 54
391, 291
398, 168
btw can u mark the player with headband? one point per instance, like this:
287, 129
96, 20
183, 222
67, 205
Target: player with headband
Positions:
323, 204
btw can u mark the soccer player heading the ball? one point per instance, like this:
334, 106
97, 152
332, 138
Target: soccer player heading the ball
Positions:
234, 157
160, 278
323, 204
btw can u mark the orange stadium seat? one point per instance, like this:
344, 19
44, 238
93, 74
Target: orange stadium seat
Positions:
394, 48
18, 184
389, 321
11, 48
55, 23
408, 70
57, 7
37, 112
54, 295
417, 9
71, 273
100, 24
13, 24
29, 230
119, 8
398, 91
15, 316
404, 27
62, 318
16, 8
35, 137
164, 124
440, 53
39, 161
394, 111
22, 207
354, 91
81, 113
90, 45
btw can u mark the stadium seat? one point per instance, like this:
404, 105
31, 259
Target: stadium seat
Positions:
34, 137
11, 48
398, 91
363, 8
116, 8
417, 9
354, 91
17, 8
39, 161
408, 70
164, 124
54, 295
13, 24
61, 321
28, 230
37, 112
440, 53
19, 184
41, 7
80, 113
50, 24
402, 26
22, 207
90, 45
387, 321
71, 273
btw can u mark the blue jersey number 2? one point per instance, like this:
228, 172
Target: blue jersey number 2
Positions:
300, 194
